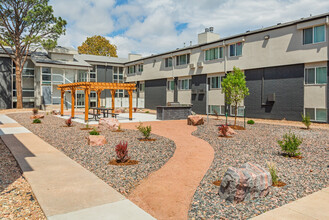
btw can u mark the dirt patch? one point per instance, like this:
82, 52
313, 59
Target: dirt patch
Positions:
279, 184
217, 182
237, 127
86, 129
119, 131
127, 163
147, 139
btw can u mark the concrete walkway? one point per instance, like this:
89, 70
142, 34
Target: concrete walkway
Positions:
314, 206
167, 193
63, 188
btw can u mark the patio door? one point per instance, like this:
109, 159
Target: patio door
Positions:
46, 95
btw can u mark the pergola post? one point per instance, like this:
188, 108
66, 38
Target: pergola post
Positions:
62, 101
99, 99
113, 100
72, 101
86, 104
130, 93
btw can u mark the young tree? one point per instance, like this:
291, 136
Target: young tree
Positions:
98, 45
235, 89
27, 24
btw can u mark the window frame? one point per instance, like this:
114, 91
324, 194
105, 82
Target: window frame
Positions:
141, 87
140, 68
210, 78
180, 84
235, 49
167, 62
134, 69
220, 109
313, 35
315, 75
315, 114
169, 82
232, 113
187, 58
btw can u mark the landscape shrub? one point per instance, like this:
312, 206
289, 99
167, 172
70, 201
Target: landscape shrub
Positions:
36, 121
122, 152
87, 125
147, 112
35, 111
94, 132
290, 144
306, 119
69, 122
273, 171
145, 130
250, 122
223, 129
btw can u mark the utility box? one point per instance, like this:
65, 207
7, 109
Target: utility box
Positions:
271, 97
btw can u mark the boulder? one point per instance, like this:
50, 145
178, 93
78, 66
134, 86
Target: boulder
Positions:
55, 112
37, 116
96, 140
195, 120
109, 123
248, 182
230, 132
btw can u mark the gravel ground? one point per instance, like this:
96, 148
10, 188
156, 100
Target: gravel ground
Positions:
72, 141
258, 144
16, 196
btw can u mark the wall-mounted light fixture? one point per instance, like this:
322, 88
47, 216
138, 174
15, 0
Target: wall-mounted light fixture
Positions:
267, 37
243, 39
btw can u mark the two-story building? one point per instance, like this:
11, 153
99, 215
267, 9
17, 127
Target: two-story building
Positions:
286, 68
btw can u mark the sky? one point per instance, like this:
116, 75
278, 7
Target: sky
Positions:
149, 27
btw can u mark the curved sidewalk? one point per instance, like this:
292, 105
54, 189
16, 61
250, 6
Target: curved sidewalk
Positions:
63, 188
167, 193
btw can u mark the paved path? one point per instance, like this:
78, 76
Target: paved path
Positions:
314, 206
167, 193
63, 188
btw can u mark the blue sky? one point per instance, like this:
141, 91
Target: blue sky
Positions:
150, 27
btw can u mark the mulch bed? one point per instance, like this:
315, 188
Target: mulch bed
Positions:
258, 144
72, 142
147, 139
127, 163
16, 196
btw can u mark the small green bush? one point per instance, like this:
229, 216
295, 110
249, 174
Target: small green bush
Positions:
290, 144
147, 112
36, 121
273, 171
94, 132
145, 130
306, 119
250, 122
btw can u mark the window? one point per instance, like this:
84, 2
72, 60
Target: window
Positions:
316, 114
314, 35
168, 62
236, 49
92, 74
131, 69
171, 85
140, 68
92, 94
214, 53
118, 78
183, 59
215, 82
316, 75
240, 111
220, 109
185, 84
82, 76
46, 75
141, 87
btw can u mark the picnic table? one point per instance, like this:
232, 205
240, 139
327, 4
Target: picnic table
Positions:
106, 112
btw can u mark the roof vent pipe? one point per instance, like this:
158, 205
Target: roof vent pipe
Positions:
211, 29
206, 30
190, 43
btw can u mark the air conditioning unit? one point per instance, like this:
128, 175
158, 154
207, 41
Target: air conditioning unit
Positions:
192, 65
200, 64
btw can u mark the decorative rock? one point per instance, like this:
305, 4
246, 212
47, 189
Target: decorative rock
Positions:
109, 123
37, 116
55, 112
248, 182
96, 140
195, 120
230, 131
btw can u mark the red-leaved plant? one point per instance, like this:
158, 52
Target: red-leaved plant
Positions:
122, 152
223, 130
69, 122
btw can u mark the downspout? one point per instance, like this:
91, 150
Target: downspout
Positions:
327, 23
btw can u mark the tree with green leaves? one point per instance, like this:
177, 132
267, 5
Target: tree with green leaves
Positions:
26, 25
98, 45
235, 89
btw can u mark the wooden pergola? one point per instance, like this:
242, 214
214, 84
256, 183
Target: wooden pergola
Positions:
87, 87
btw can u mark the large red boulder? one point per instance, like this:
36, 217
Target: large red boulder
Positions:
96, 140
109, 123
195, 120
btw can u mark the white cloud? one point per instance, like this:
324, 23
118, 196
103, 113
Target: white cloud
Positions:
149, 26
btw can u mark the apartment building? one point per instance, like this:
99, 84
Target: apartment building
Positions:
286, 68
